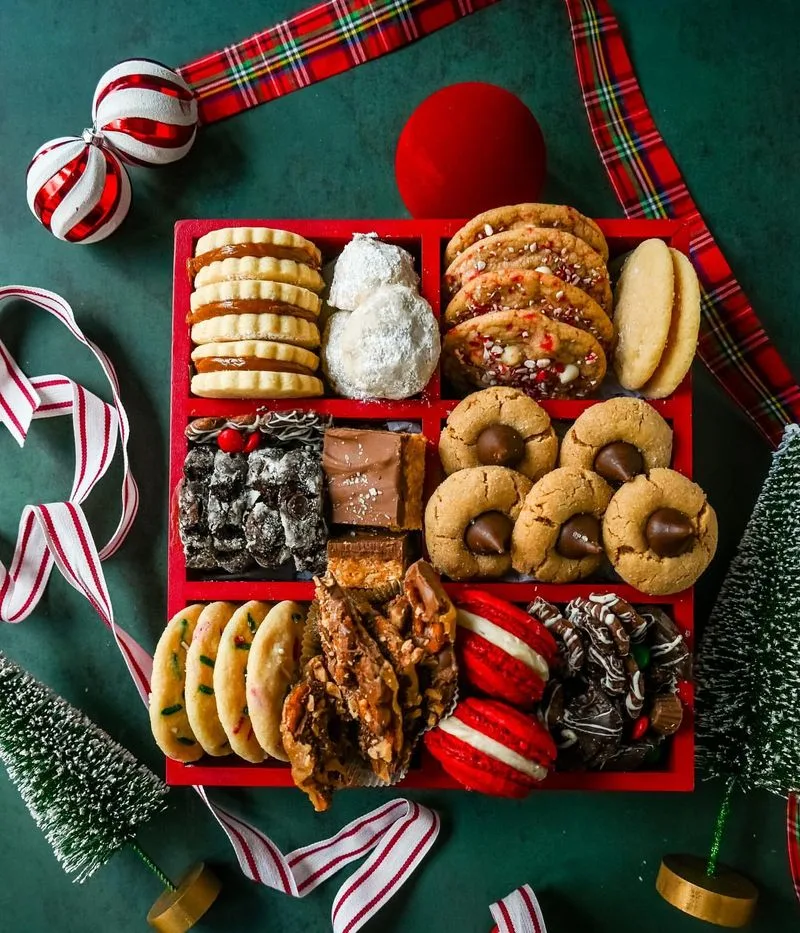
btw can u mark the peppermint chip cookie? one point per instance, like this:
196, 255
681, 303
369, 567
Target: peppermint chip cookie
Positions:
264, 269
659, 532
469, 520
252, 297
499, 427
201, 702
539, 291
281, 328
557, 537
642, 312
524, 350
230, 679
254, 369
272, 667
500, 219
552, 251
684, 328
618, 439
168, 718
254, 242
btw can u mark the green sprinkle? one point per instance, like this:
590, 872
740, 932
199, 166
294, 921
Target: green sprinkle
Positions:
175, 664
245, 711
209, 691
251, 624
297, 617
207, 661
243, 645
185, 741
184, 626
169, 710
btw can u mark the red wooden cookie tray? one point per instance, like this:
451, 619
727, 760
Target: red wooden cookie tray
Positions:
426, 240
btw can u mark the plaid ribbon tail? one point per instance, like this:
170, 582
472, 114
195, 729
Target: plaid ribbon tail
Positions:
733, 343
325, 40
793, 839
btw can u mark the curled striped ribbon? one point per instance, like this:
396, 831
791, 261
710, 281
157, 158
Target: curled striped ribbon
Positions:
397, 836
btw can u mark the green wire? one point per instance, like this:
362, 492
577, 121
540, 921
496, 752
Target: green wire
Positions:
719, 828
153, 867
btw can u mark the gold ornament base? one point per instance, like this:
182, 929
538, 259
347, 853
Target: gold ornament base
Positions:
727, 899
179, 910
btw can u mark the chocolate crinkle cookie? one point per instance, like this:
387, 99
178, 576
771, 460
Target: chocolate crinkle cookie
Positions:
612, 697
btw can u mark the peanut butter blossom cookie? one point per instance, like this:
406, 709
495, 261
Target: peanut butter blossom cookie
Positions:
659, 532
618, 439
499, 427
469, 520
500, 219
557, 537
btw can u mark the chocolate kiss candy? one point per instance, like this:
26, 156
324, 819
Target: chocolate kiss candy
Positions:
500, 445
579, 537
669, 532
619, 462
489, 533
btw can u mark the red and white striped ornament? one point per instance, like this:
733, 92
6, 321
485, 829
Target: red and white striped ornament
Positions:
78, 189
145, 112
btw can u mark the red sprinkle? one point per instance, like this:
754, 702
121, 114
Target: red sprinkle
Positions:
547, 343
641, 726
252, 442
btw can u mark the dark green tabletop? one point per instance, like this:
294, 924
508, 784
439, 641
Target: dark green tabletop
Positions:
721, 78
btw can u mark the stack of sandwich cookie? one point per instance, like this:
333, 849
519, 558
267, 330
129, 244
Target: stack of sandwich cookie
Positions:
254, 314
531, 302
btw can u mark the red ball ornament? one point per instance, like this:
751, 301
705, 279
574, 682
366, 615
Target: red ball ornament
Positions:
78, 189
468, 148
230, 440
252, 442
145, 111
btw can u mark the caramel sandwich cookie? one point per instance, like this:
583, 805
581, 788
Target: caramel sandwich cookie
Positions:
642, 312
272, 667
500, 219
252, 297
524, 350
201, 701
684, 329
254, 369
555, 252
230, 678
499, 427
168, 718
469, 519
618, 439
524, 289
557, 537
281, 328
659, 532
265, 269
252, 242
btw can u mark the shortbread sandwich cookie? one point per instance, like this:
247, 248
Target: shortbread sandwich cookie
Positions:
201, 701
255, 242
272, 667
230, 679
252, 297
527, 290
254, 369
555, 252
501, 650
281, 328
168, 718
265, 269
490, 747
500, 219
645, 295
684, 328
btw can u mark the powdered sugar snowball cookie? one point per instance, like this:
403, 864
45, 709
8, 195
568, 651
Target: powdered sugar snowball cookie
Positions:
332, 359
390, 344
367, 263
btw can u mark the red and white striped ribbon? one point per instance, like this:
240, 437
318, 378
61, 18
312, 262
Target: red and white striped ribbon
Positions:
398, 835
518, 912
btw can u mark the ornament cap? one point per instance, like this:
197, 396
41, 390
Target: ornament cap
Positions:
92, 136
179, 910
727, 899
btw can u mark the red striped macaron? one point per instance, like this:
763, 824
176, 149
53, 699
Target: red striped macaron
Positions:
492, 748
502, 651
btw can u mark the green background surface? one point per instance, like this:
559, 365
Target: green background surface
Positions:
721, 78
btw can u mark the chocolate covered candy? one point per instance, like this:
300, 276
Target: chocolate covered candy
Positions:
489, 533
579, 537
669, 532
500, 445
618, 462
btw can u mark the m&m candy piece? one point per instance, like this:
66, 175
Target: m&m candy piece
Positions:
231, 441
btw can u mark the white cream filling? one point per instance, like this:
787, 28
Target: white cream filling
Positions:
513, 646
477, 740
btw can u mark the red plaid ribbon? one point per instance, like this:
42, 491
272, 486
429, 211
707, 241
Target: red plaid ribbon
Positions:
326, 40
733, 342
